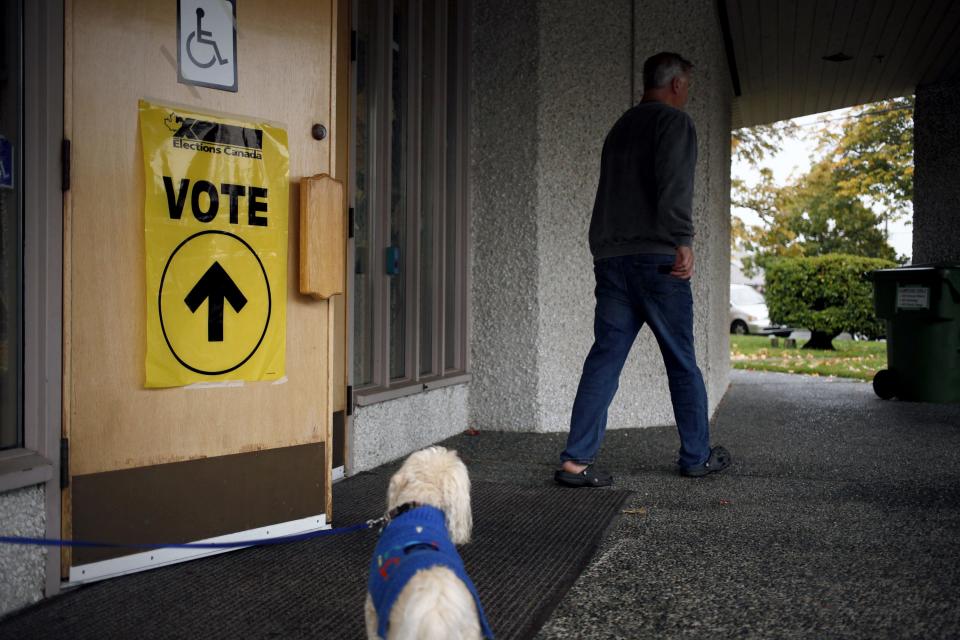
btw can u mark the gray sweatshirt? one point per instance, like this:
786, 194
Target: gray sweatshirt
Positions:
644, 199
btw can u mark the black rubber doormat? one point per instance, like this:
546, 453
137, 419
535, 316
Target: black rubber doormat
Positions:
529, 545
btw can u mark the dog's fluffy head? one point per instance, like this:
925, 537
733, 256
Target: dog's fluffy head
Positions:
437, 477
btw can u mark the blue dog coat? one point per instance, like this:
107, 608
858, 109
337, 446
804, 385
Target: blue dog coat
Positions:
414, 540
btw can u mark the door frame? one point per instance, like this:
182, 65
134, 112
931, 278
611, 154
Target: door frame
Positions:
44, 178
37, 462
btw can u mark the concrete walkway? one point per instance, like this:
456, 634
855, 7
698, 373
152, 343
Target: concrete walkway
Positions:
839, 518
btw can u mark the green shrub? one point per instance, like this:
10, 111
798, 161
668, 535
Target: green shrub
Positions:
825, 294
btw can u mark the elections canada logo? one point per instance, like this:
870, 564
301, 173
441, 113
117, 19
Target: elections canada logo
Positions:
215, 137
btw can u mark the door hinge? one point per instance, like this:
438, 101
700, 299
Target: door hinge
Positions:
349, 399
65, 165
353, 46
64, 463
350, 222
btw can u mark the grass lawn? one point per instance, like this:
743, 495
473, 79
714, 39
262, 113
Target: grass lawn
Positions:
851, 359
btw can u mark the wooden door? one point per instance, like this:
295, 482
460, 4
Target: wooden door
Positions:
181, 464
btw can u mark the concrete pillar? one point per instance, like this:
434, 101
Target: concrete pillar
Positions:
585, 84
936, 191
692, 28
503, 193
549, 80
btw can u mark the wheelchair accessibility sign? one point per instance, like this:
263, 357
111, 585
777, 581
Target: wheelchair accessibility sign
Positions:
207, 43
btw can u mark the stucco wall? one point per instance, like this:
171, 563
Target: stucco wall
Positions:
695, 32
389, 430
585, 84
543, 103
936, 191
503, 196
21, 568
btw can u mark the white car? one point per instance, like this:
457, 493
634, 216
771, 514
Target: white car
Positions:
749, 314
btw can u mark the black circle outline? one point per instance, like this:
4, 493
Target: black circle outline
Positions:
160, 303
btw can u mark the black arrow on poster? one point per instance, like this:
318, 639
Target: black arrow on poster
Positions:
215, 285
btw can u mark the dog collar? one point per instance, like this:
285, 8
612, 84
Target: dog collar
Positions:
396, 512
402, 509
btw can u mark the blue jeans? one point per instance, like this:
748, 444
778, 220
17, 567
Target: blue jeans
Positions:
631, 291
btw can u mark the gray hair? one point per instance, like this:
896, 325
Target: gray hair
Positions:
660, 69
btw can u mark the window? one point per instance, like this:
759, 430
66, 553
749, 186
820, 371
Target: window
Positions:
31, 245
409, 195
743, 294
11, 227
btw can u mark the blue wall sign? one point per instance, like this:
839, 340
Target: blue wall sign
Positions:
6, 164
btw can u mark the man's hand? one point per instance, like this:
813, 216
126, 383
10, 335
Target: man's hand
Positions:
683, 266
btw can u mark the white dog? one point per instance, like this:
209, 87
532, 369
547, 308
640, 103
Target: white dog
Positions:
418, 587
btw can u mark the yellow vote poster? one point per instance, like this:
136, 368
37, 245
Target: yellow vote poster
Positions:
215, 221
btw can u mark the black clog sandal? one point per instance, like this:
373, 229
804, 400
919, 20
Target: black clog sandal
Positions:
589, 477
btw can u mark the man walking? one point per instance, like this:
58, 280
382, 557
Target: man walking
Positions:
641, 237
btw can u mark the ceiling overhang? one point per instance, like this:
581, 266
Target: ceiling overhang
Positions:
790, 58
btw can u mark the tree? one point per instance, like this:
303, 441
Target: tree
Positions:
828, 221
825, 294
809, 218
773, 237
873, 156
752, 144
841, 205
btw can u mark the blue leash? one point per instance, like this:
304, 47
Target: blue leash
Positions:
298, 537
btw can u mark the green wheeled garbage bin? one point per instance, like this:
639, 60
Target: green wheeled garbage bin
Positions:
921, 305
